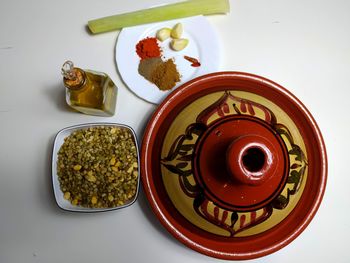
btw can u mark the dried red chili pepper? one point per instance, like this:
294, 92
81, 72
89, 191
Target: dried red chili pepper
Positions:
194, 61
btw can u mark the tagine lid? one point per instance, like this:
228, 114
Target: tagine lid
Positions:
233, 165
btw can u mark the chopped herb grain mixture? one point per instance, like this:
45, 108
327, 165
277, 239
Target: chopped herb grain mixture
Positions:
97, 167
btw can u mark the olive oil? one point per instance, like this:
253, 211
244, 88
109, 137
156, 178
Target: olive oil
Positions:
89, 91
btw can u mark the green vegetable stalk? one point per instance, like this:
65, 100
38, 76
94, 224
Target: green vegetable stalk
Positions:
161, 13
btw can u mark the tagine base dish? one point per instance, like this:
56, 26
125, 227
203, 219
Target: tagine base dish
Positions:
234, 165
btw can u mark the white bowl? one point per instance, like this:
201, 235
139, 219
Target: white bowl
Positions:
59, 140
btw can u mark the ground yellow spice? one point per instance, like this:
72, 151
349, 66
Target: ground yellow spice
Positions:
165, 75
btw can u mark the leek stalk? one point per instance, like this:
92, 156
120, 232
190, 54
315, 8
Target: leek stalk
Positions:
160, 13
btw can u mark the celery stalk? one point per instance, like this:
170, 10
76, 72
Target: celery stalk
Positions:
161, 13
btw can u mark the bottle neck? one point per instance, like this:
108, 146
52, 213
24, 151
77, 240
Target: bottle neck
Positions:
77, 82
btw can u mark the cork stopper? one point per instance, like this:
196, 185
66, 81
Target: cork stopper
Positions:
72, 77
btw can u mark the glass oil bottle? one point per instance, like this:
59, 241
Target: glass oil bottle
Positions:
88, 91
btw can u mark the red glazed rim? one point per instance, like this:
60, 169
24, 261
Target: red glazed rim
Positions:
238, 248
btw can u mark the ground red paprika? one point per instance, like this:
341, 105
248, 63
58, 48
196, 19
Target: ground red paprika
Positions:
148, 48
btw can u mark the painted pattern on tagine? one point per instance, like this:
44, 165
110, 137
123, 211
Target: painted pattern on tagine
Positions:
177, 162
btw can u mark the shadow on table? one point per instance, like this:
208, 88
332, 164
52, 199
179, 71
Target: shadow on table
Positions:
46, 191
57, 95
142, 202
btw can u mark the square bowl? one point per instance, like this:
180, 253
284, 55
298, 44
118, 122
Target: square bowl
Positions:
58, 142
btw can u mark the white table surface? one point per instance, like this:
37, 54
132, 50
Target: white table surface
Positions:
302, 45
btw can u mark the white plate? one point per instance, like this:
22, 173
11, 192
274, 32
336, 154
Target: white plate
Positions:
203, 45
59, 140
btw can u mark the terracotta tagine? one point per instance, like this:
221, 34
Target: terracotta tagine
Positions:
234, 165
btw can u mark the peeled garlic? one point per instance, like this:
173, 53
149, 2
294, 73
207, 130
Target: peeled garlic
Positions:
163, 34
177, 31
179, 44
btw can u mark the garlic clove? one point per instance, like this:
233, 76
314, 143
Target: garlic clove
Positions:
163, 34
179, 44
177, 31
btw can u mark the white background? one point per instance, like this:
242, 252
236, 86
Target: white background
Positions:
302, 45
